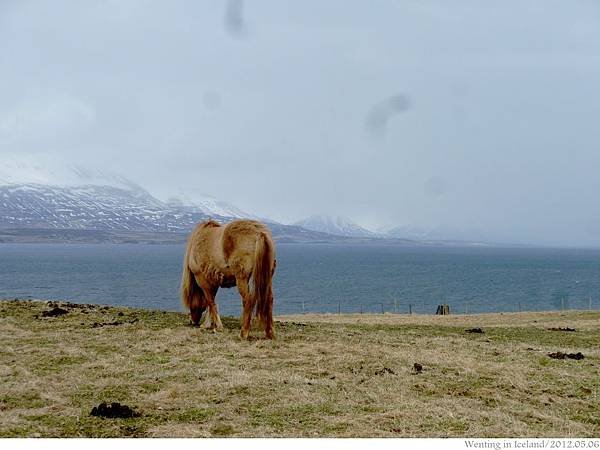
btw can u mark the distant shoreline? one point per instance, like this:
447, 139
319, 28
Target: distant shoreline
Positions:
74, 236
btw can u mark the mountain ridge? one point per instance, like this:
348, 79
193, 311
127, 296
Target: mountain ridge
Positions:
65, 203
96, 213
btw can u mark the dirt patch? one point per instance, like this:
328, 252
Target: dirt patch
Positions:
561, 355
113, 411
112, 324
54, 312
70, 305
585, 391
385, 370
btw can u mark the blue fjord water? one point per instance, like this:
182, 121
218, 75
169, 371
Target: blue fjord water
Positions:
317, 278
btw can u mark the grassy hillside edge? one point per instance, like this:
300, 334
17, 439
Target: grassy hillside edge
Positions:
325, 375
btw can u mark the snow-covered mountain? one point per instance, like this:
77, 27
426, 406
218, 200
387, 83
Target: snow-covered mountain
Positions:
339, 226
38, 195
90, 208
41, 194
47, 213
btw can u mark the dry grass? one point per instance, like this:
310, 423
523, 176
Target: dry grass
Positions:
545, 319
326, 375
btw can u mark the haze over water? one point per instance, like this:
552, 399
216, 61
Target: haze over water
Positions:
317, 278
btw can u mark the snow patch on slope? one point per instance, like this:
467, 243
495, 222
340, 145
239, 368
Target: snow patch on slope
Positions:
206, 204
341, 226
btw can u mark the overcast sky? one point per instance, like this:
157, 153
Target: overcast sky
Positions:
467, 114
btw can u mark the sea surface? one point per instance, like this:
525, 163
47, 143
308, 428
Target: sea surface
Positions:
317, 278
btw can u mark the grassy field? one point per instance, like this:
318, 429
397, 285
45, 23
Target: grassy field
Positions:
325, 375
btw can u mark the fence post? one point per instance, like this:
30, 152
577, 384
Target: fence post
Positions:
590, 303
339, 308
303, 307
382, 309
410, 308
361, 308
395, 305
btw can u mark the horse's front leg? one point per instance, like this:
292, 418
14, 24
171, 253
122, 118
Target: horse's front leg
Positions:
213, 321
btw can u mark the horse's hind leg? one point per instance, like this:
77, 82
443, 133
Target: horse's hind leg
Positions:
247, 306
267, 318
265, 312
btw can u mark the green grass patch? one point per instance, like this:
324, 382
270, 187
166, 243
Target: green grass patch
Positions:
332, 376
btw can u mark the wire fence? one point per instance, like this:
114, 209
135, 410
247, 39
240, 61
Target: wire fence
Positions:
286, 306
397, 306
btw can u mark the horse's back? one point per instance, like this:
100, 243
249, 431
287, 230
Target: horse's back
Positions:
204, 245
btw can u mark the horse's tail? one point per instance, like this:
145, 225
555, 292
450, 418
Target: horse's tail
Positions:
262, 275
191, 294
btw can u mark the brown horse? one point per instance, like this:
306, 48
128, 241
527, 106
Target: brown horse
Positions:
240, 253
